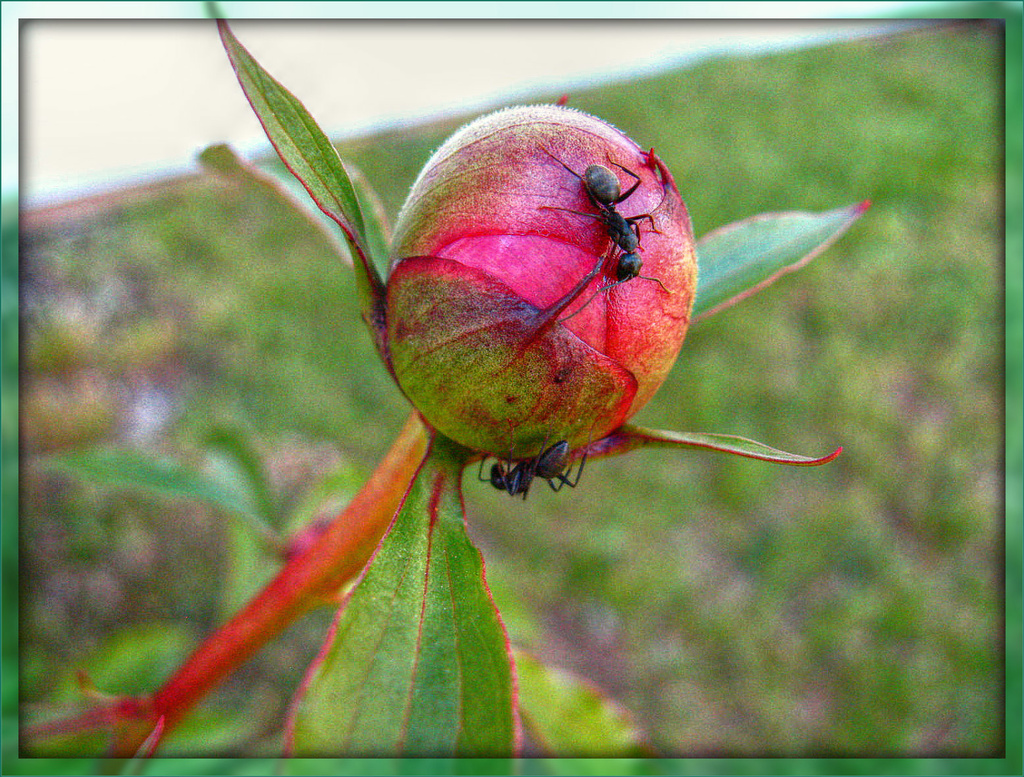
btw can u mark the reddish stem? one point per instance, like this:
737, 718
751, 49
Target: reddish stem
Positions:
306, 580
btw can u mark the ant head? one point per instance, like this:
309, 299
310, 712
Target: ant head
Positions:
628, 267
602, 184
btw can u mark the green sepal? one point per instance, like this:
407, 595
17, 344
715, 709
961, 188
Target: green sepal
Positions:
569, 717
168, 478
307, 152
744, 257
417, 663
491, 370
628, 438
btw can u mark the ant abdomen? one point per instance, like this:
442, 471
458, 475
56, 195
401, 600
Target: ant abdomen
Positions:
551, 461
602, 185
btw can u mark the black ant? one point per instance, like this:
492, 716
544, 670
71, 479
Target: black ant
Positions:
605, 192
549, 464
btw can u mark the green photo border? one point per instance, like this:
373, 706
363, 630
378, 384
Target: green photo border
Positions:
14, 13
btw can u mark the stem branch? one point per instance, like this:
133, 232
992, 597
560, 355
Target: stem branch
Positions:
308, 579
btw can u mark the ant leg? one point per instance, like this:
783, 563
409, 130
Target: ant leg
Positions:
519, 479
579, 473
550, 314
480, 473
580, 308
603, 288
563, 164
568, 210
508, 469
583, 461
591, 299
627, 280
543, 448
633, 222
612, 286
565, 479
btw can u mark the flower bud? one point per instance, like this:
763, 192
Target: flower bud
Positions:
504, 328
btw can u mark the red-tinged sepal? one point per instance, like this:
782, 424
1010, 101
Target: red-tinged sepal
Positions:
742, 258
417, 662
490, 369
629, 438
307, 152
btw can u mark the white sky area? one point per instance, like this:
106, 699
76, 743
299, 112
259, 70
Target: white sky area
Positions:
102, 102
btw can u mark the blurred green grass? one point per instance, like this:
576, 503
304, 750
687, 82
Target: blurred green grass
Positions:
734, 607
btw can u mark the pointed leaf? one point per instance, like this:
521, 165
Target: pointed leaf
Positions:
306, 151
627, 438
221, 159
417, 662
233, 458
568, 716
165, 478
378, 232
135, 470
742, 258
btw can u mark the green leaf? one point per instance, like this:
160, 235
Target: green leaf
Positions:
568, 716
377, 230
627, 438
327, 497
306, 151
165, 478
236, 462
144, 473
248, 568
417, 662
742, 258
375, 221
276, 180
217, 730
134, 660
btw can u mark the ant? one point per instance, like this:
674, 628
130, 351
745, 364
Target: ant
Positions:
605, 192
548, 464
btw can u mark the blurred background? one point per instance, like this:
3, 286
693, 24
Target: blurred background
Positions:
732, 607
143, 99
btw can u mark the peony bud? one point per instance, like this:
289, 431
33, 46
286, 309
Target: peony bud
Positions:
504, 328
